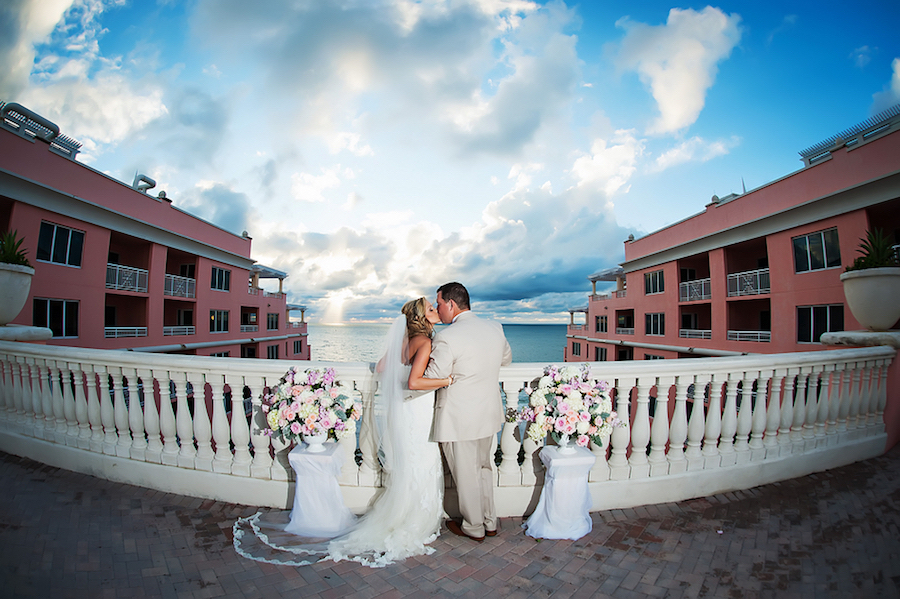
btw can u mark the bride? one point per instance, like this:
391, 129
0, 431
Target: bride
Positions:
406, 517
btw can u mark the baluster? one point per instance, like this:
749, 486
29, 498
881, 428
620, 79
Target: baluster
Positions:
184, 424
865, 396
600, 470
123, 445
799, 411
136, 417
18, 395
36, 424
749, 400
822, 424
678, 429
697, 423
618, 462
845, 398
532, 467
202, 425
773, 413
220, 433
95, 420
154, 448
47, 400
729, 422
659, 430
369, 470
834, 403
853, 414
81, 407
787, 413
107, 413
509, 473
882, 396
167, 428
240, 435
261, 467
640, 432
812, 410
711, 457
69, 406
59, 404
4, 388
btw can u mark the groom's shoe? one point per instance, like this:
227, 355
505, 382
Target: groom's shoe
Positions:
493, 533
454, 527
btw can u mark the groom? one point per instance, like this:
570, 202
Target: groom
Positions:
470, 411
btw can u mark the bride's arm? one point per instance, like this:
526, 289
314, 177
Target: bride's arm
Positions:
420, 350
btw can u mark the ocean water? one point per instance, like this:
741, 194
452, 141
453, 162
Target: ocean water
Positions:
543, 343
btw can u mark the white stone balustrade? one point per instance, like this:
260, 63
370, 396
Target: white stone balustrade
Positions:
692, 427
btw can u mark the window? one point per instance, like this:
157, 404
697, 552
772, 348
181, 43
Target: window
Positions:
218, 321
812, 321
298, 347
576, 349
688, 274
221, 279
654, 282
60, 316
221, 354
601, 324
599, 354
272, 322
656, 323
816, 251
272, 352
653, 357
690, 321
184, 318
187, 271
60, 245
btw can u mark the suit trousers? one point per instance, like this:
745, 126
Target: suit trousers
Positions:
470, 466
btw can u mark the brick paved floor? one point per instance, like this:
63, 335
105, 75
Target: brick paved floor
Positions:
833, 534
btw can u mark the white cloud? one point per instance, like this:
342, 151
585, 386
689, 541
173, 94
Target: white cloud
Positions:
678, 61
695, 149
610, 164
25, 23
862, 56
307, 187
891, 93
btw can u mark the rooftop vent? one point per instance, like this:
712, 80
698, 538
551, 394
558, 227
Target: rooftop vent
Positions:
142, 183
30, 125
873, 128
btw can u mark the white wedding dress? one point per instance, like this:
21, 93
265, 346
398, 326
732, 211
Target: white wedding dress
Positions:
401, 521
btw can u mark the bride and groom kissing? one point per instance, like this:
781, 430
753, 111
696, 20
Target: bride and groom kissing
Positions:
438, 392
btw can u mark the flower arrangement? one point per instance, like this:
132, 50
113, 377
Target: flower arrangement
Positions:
311, 403
568, 403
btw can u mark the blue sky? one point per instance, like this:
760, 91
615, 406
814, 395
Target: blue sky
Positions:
376, 149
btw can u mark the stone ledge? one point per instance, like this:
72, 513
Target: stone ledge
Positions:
14, 332
862, 338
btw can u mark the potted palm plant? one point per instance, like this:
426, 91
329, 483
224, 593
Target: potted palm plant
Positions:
15, 276
872, 283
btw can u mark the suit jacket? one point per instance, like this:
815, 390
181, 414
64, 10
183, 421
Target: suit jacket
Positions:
472, 349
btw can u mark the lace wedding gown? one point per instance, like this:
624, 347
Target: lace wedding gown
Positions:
404, 519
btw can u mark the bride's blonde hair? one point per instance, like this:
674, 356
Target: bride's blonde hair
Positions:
416, 323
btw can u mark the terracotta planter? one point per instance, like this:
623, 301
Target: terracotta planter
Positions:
873, 296
15, 283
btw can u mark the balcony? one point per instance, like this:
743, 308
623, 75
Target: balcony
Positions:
751, 282
622, 293
180, 286
119, 332
757, 336
178, 331
807, 411
249, 328
624, 330
694, 334
692, 291
126, 278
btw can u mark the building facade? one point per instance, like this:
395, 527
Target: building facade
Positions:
117, 268
757, 272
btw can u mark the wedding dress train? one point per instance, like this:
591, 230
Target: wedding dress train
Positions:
404, 518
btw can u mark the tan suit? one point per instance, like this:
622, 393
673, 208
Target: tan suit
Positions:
468, 412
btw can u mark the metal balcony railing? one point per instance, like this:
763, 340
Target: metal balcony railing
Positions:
752, 282
126, 278
624, 330
180, 286
694, 334
117, 332
249, 328
178, 331
691, 291
758, 336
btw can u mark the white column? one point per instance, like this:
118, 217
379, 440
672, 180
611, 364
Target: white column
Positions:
240, 431
153, 453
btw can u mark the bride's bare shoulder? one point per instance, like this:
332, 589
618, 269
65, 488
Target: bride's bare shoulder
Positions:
417, 343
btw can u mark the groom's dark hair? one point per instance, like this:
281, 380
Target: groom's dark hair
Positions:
455, 292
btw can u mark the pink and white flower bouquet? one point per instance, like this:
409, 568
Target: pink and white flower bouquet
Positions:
311, 403
567, 403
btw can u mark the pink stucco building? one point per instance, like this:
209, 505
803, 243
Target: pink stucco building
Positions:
756, 272
118, 268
